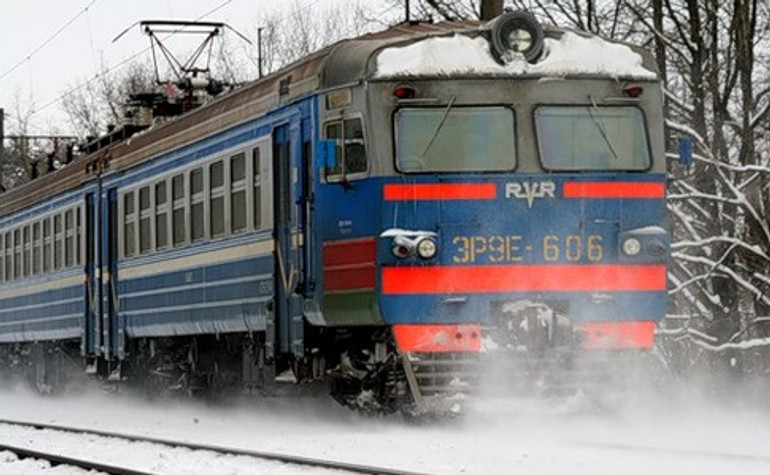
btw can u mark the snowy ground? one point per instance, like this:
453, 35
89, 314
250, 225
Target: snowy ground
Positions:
523, 437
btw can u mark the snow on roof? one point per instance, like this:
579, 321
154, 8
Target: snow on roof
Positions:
572, 54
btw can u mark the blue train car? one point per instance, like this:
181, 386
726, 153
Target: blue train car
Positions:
390, 205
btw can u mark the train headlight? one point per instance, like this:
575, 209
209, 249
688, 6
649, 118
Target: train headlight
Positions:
631, 246
402, 251
517, 32
656, 248
427, 248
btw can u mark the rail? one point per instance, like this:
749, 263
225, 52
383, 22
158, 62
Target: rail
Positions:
270, 456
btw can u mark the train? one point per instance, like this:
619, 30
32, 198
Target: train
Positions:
384, 216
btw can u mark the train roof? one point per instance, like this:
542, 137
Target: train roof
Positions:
415, 50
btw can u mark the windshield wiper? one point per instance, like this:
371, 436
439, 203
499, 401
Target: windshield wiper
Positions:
440, 125
600, 126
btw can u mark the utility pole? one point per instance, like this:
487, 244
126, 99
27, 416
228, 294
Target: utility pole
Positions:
259, 51
491, 9
407, 19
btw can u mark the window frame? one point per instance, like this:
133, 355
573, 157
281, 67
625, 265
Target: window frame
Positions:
442, 107
539, 144
186, 202
344, 175
146, 215
238, 186
159, 209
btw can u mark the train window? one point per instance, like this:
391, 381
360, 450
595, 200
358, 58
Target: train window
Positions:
455, 139
2, 257
197, 229
257, 191
37, 245
58, 239
592, 138
161, 215
351, 150
8, 257
78, 237
129, 230
238, 193
47, 242
177, 194
145, 218
17, 270
217, 199
69, 238
27, 251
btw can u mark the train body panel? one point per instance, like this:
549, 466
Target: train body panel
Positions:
554, 245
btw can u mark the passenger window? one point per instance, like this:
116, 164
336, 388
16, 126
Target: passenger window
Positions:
8, 258
145, 218
58, 239
129, 231
78, 238
196, 205
217, 199
257, 190
177, 194
238, 193
17, 270
37, 245
351, 149
69, 239
47, 242
161, 216
27, 252
2, 257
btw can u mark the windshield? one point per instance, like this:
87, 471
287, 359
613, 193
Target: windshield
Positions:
592, 138
452, 139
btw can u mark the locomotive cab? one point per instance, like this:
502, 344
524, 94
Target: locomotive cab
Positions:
514, 194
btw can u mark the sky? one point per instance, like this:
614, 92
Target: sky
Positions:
48, 47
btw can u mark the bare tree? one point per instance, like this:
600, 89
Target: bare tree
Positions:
97, 103
287, 37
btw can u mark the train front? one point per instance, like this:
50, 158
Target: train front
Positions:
525, 210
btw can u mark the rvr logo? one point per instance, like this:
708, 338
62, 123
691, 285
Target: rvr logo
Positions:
529, 190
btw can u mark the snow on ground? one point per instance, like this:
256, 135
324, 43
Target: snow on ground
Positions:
538, 437
11, 464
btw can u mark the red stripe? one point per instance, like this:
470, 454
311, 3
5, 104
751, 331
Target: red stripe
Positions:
349, 264
349, 251
487, 279
614, 189
618, 335
438, 338
440, 191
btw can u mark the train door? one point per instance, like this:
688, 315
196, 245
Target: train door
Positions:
306, 209
287, 320
112, 333
91, 328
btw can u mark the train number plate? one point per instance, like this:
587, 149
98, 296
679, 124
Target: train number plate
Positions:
494, 249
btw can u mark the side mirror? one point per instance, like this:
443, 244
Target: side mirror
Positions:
326, 154
686, 146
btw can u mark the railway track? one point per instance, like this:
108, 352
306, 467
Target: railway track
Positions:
57, 459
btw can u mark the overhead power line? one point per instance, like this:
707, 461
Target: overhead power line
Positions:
46, 42
117, 66
139, 53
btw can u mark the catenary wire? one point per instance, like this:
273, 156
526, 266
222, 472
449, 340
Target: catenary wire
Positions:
46, 42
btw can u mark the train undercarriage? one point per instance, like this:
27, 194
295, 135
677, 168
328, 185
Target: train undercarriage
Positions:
528, 350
